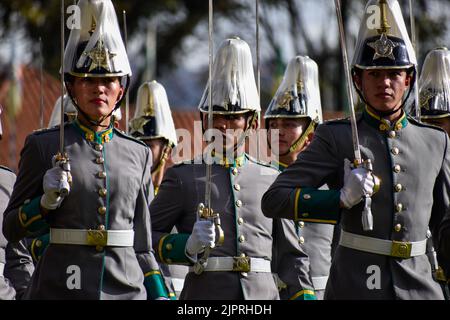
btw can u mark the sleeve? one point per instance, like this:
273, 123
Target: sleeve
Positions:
167, 209
440, 214
153, 280
19, 267
295, 194
22, 217
292, 262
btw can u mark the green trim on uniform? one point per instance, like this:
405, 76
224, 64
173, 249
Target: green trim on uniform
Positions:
304, 295
381, 124
38, 246
30, 216
100, 137
317, 206
171, 248
154, 284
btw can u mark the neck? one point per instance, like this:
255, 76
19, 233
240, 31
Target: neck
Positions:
289, 158
96, 128
392, 118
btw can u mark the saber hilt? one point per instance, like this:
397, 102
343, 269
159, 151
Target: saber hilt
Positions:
208, 214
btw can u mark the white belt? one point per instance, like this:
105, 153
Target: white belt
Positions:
2, 268
236, 264
319, 283
396, 249
102, 238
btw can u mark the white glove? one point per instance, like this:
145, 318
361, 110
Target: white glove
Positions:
203, 235
357, 183
54, 178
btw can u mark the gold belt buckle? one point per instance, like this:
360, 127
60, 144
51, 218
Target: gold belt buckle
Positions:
401, 249
241, 264
98, 238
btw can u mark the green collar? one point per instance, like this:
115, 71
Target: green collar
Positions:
100, 137
280, 165
227, 163
383, 125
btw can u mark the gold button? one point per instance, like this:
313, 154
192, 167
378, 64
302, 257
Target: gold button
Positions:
102, 210
100, 160
234, 171
169, 246
241, 238
397, 168
398, 187
301, 224
101, 227
399, 207
237, 187
301, 240
383, 127
395, 151
307, 196
238, 203
240, 220
102, 192
398, 227
99, 248
38, 243
101, 174
169, 260
392, 134
98, 147
242, 255
23, 216
398, 126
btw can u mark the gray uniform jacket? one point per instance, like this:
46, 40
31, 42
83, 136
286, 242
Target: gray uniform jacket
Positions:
16, 263
236, 195
413, 162
111, 190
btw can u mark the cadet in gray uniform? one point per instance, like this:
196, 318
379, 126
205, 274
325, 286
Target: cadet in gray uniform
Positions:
240, 268
100, 236
16, 265
153, 125
295, 111
410, 158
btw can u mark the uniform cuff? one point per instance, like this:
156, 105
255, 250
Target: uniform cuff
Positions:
171, 249
38, 246
304, 295
30, 216
317, 206
154, 284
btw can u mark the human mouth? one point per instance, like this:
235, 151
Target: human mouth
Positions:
98, 101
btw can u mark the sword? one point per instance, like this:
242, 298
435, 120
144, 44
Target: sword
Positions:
414, 43
41, 86
367, 217
127, 96
258, 78
61, 158
204, 210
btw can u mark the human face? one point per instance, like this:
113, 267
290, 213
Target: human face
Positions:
156, 146
383, 89
230, 126
443, 123
290, 130
96, 97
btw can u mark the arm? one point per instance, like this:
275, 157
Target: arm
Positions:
292, 262
19, 267
294, 194
153, 280
166, 210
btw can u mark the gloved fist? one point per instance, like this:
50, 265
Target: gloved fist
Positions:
54, 180
203, 235
357, 183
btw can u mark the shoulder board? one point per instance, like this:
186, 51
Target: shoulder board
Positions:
262, 163
6, 168
126, 136
423, 124
46, 130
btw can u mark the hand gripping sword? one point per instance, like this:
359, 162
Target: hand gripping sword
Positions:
204, 210
61, 158
367, 217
